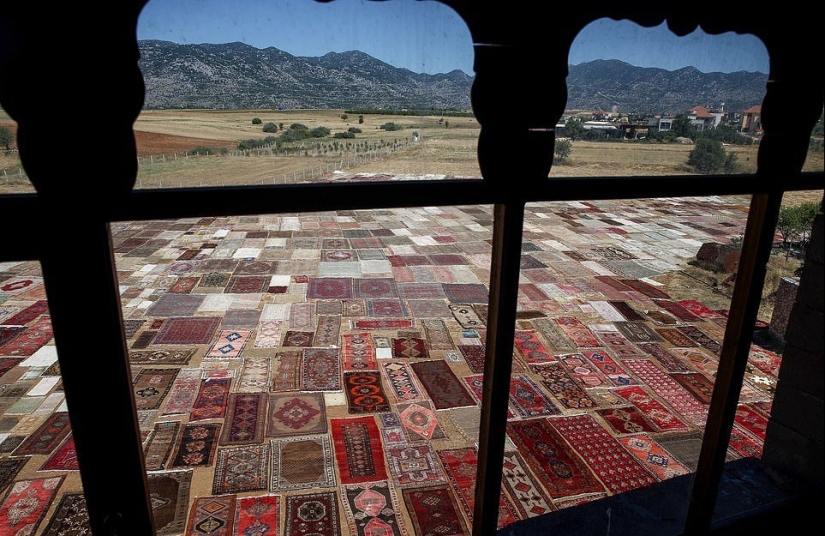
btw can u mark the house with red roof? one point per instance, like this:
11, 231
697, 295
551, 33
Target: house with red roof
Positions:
704, 119
752, 119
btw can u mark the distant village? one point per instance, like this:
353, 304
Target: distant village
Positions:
613, 124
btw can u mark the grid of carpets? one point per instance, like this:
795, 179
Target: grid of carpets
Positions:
324, 373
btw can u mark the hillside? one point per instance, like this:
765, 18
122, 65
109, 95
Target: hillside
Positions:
239, 76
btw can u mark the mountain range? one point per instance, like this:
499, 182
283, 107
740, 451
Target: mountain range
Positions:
240, 76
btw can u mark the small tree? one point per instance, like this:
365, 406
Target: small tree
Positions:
683, 127
574, 128
562, 150
795, 224
360, 119
256, 121
344, 117
708, 156
6, 137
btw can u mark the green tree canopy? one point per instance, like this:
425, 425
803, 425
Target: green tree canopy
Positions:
574, 128
683, 127
708, 156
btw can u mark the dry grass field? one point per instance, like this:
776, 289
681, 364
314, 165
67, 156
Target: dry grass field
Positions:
167, 141
170, 144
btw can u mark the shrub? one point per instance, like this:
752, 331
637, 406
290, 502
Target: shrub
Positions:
354, 130
319, 132
292, 134
256, 121
708, 156
298, 126
345, 135
390, 127
270, 127
562, 150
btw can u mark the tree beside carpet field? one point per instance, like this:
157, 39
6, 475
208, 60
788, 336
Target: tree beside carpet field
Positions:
709, 156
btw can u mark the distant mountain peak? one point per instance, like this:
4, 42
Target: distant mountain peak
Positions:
239, 76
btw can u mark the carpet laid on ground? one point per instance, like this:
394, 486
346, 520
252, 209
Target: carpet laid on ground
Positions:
323, 373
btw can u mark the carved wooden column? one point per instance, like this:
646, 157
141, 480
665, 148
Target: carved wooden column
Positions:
80, 98
517, 110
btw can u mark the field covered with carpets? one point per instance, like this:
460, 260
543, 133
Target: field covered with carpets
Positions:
334, 361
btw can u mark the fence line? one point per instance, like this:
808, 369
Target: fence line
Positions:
309, 174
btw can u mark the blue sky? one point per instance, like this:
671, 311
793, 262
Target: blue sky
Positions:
423, 36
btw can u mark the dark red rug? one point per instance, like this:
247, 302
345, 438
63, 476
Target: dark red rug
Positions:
460, 465
434, 511
25, 342
654, 410
619, 470
443, 386
187, 330
474, 355
645, 288
328, 288
28, 314
386, 308
247, 284
466, 292
377, 287
556, 465
358, 449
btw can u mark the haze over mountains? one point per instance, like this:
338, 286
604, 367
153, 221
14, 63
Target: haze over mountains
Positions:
240, 76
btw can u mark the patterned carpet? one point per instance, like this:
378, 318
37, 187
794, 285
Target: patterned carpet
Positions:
322, 373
